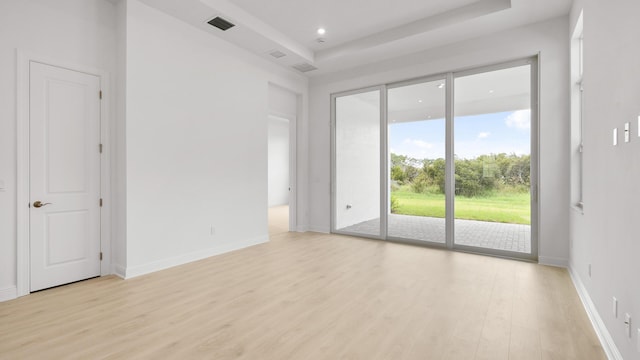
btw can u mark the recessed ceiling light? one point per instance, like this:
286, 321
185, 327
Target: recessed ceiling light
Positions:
321, 31
419, 100
440, 86
429, 117
490, 91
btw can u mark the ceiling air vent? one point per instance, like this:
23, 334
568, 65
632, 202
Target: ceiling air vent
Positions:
277, 54
304, 67
220, 23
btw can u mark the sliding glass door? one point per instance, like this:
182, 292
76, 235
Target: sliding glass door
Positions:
417, 147
357, 169
449, 160
493, 160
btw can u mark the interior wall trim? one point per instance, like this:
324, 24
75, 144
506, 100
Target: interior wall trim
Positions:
8, 293
603, 334
134, 271
553, 261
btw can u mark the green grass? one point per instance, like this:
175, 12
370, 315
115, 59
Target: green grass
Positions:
504, 208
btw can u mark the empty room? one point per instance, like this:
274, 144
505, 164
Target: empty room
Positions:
246, 179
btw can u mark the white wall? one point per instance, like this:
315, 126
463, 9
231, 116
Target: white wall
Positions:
357, 159
549, 38
606, 235
119, 148
80, 32
282, 102
180, 100
278, 171
196, 141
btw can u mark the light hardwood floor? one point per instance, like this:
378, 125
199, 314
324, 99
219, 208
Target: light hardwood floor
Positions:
278, 219
311, 296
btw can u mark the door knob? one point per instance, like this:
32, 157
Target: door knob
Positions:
39, 204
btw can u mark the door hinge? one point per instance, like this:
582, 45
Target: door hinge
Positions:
100, 148
100, 94
100, 255
100, 202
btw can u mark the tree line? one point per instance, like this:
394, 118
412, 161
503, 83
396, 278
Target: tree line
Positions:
480, 176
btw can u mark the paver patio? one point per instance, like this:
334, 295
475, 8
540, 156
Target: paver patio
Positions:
491, 235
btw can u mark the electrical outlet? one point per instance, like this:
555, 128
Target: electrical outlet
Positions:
627, 324
615, 307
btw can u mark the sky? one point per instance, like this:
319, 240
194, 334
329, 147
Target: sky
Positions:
505, 132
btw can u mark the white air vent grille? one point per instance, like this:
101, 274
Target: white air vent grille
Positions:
277, 54
304, 67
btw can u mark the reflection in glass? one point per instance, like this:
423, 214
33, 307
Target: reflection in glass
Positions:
357, 163
417, 144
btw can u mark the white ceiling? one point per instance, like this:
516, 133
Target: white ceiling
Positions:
344, 20
358, 31
482, 93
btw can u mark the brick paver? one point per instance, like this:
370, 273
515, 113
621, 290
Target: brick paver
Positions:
492, 235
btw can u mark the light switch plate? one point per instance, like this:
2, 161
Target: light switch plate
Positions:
615, 137
627, 132
627, 324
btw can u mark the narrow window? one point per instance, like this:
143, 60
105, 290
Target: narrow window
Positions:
577, 115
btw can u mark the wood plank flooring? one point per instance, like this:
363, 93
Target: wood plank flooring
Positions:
278, 219
311, 296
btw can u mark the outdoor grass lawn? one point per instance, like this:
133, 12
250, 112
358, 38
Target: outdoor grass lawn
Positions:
504, 208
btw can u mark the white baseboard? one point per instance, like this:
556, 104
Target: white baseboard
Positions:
302, 228
8, 293
603, 334
118, 270
148, 268
553, 261
319, 229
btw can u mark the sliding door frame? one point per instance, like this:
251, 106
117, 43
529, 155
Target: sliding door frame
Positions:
387, 194
532, 62
449, 78
383, 162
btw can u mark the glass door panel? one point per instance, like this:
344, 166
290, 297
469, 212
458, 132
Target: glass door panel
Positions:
357, 181
492, 146
417, 146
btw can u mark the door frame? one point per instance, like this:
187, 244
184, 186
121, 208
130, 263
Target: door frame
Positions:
449, 76
383, 162
446, 78
293, 168
23, 259
533, 62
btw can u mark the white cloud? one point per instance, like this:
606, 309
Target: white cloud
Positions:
483, 135
520, 119
418, 143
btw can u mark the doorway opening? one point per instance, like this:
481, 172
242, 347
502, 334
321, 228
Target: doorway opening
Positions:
279, 159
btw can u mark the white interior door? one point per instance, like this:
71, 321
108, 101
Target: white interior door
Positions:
64, 176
